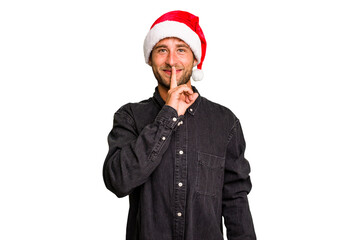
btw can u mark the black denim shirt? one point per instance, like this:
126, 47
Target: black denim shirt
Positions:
182, 173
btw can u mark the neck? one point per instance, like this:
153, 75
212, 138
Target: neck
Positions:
164, 90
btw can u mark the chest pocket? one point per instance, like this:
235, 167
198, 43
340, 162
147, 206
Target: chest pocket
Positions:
209, 175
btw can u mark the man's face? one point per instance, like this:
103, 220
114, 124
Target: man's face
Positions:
172, 52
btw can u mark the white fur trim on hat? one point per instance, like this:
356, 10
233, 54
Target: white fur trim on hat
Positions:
172, 29
197, 75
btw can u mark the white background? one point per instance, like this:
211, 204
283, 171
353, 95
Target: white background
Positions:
288, 69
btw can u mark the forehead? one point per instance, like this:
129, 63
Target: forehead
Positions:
170, 41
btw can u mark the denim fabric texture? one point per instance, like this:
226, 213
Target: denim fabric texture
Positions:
182, 173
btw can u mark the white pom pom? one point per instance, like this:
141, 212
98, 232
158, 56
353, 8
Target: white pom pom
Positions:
197, 75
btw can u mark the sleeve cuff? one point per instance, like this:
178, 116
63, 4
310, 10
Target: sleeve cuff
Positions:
168, 117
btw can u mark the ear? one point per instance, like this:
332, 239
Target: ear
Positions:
195, 62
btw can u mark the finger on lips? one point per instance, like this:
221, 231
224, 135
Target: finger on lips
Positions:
187, 93
173, 83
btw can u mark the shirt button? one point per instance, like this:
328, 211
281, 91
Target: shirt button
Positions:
180, 184
174, 119
163, 138
179, 214
191, 109
180, 123
181, 152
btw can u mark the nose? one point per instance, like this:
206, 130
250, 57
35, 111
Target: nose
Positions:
171, 58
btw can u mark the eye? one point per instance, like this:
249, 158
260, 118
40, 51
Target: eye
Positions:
181, 50
162, 50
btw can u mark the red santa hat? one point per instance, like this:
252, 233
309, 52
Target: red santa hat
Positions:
182, 25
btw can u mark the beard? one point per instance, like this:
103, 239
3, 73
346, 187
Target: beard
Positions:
165, 81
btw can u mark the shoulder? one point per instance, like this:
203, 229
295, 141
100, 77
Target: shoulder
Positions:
217, 110
226, 120
131, 107
138, 114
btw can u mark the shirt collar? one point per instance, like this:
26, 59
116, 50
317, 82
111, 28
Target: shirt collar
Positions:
191, 110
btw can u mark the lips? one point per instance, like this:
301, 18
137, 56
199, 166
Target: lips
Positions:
168, 71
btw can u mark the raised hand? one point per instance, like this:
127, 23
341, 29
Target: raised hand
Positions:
179, 97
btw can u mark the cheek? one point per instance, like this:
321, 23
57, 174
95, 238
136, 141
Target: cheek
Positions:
190, 64
157, 61
190, 61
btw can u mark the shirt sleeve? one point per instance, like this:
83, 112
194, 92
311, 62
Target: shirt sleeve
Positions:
237, 185
132, 157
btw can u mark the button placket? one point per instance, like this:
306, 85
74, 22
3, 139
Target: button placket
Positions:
180, 172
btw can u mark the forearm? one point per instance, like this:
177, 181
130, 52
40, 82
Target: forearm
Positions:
237, 185
132, 158
238, 218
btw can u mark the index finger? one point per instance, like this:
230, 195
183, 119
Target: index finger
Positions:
173, 83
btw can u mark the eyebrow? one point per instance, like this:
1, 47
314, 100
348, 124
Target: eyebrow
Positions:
177, 45
182, 45
160, 46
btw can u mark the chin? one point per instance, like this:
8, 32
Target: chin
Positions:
163, 83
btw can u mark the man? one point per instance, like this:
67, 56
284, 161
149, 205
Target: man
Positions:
179, 156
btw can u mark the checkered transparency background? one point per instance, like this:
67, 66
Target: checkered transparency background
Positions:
288, 69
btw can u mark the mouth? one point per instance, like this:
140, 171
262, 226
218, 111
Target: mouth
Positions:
168, 71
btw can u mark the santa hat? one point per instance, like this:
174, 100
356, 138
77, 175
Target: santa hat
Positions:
182, 25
